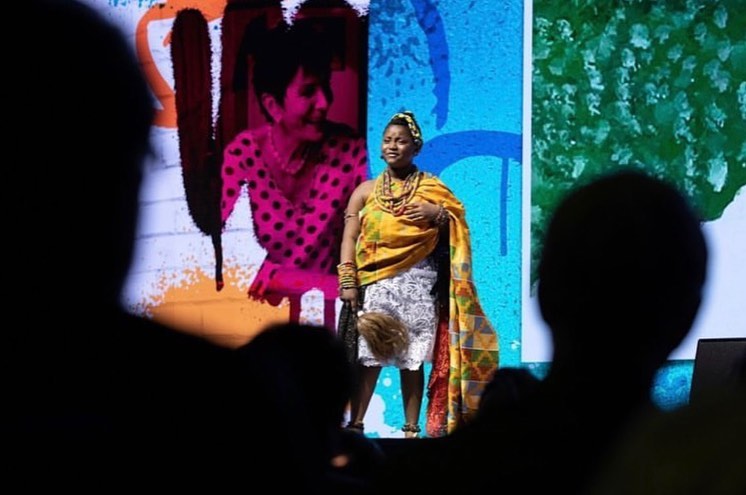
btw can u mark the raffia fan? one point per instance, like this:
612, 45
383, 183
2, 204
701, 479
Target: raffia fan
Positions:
386, 336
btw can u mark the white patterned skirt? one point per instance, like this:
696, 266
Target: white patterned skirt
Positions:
409, 298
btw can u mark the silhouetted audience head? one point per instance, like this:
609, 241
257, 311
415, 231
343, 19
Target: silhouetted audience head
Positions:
624, 258
84, 132
308, 368
101, 399
507, 390
308, 381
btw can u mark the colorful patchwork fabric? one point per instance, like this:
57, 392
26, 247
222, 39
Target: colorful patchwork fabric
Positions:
390, 244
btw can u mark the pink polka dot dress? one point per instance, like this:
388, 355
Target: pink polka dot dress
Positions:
298, 219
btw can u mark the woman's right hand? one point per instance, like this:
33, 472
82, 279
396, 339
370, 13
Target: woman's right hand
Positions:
349, 295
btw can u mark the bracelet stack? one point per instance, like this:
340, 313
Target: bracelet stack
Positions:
441, 218
347, 272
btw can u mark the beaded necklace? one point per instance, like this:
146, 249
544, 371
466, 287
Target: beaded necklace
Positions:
284, 164
395, 203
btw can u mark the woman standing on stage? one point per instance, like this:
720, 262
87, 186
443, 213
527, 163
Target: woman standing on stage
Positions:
405, 264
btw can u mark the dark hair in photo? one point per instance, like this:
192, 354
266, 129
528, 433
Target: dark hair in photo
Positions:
282, 50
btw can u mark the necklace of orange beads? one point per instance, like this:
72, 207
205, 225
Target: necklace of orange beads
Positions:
393, 201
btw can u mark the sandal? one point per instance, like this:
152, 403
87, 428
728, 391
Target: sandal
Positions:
411, 430
356, 426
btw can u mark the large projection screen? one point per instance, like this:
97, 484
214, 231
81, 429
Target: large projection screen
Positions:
519, 101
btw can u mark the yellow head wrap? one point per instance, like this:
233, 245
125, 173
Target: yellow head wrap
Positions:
414, 128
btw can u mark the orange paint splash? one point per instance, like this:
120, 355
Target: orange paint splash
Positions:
228, 318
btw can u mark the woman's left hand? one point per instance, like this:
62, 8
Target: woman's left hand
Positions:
422, 213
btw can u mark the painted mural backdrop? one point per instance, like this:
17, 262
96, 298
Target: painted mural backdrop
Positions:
656, 85
668, 81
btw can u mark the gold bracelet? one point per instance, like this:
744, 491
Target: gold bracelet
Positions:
347, 265
347, 272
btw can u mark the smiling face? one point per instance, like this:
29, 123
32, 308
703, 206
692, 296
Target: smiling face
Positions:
302, 113
397, 147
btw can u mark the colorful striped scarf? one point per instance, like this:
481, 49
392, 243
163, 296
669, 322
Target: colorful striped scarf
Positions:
466, 350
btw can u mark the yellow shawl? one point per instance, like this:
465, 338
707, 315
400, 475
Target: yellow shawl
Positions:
464, 361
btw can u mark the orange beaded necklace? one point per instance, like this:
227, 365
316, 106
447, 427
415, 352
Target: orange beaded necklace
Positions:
390, 201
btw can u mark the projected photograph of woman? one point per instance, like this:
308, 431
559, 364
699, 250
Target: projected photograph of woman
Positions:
278, 141
299, 167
